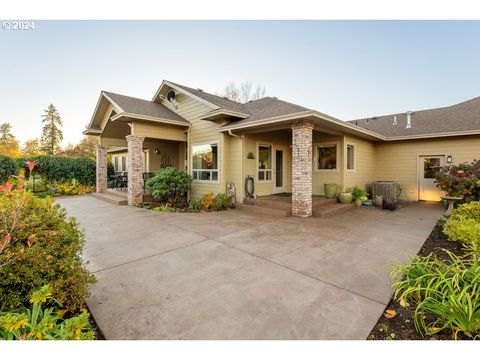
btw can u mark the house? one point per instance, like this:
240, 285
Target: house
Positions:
284, 147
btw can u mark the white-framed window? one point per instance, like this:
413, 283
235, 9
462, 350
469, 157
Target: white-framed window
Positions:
351, 157
327, 157
205, 162
264, 162
115, 163
124, 163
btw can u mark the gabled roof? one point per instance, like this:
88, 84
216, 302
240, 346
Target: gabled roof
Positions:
136, 106
458, 119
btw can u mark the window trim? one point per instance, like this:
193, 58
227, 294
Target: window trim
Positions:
263, 143
213, 142
354, 157
327, 144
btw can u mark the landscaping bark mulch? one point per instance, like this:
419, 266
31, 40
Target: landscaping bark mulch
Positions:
401, 326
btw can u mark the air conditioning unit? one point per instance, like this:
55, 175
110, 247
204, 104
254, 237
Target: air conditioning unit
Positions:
386, 189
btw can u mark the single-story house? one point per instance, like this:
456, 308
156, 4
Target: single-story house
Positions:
284, 147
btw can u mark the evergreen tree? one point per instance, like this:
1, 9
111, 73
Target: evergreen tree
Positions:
52, 134
8, 143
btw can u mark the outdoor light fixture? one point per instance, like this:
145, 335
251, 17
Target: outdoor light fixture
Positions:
449, 159
157, 151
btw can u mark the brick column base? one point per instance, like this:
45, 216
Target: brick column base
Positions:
135, 169
302, 169
101, 169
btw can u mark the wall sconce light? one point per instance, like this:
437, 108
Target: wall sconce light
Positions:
449, 159
157, 151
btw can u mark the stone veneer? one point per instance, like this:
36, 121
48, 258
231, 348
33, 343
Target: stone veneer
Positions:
135, 169
101, 183
302, 169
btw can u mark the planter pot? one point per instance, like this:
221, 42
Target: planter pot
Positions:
345, 198
330, 191
358, 202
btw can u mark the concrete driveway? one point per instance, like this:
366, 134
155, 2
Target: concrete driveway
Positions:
236, 275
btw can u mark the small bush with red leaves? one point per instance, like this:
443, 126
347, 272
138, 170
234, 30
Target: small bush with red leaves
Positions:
461, 180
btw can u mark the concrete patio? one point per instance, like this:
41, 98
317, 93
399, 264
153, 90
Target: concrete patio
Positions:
236, 275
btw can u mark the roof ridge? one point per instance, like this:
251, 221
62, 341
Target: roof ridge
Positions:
284, 101
128, 96
206, 92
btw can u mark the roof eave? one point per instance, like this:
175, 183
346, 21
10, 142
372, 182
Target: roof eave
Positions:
222, 113
127, 117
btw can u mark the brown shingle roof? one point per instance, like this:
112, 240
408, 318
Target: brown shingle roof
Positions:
214, 99
461, 117
143, 107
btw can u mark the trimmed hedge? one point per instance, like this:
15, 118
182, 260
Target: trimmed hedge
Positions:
8, 168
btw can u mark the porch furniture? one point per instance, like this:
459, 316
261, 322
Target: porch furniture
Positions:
451, 201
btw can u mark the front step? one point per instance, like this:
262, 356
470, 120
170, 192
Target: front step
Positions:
111, 198
264, 209
332, 209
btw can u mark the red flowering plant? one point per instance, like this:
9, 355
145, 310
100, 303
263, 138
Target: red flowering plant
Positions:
13, 199
461, 180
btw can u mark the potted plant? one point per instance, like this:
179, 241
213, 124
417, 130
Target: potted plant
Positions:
359, 195
330, 191
345, 197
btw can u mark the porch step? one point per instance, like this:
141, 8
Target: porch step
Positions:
324, 202
332, 209
118, 193
287, 205
114, 199
265, 209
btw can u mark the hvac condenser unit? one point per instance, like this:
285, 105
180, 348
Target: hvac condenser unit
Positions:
387, 189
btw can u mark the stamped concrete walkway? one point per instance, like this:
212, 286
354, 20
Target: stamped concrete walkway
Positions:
236, 275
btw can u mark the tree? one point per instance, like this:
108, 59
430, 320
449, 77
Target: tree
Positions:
52, 134
31, 148
8, 143
243, 93
85, 148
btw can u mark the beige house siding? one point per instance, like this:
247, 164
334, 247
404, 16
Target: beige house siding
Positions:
159, 131
364, 173
234, 165
398, 161
321, 177
251, 165
201, 132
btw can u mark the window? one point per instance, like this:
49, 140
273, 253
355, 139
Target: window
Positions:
350, 157
430, 167
115, 166
205, 162
124, 163
264, 163
327, 157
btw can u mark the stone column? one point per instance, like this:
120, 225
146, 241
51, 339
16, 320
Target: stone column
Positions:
101, 168
135, 169
302, 169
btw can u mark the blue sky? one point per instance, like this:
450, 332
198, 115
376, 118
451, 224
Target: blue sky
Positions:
347, 69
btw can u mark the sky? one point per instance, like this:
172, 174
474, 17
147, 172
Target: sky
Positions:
347, 69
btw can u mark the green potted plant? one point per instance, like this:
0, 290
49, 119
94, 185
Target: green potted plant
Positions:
358, 195
330, 191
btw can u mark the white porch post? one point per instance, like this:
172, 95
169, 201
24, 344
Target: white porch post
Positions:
302, 169
101, 168
135, 169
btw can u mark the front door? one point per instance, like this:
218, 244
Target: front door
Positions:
279, 167
427, 188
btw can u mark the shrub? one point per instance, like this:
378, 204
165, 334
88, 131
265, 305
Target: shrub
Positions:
62, 169
170, 185
8, 168
73, 187
446, 294
210, 201
38, 323
464, 226
43, 247
461, 180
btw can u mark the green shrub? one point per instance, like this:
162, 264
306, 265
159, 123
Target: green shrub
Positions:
8, 168
62, 169
38, 323
45, 248
170, 185
358, 193
446, 294
464, 226
222, 202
